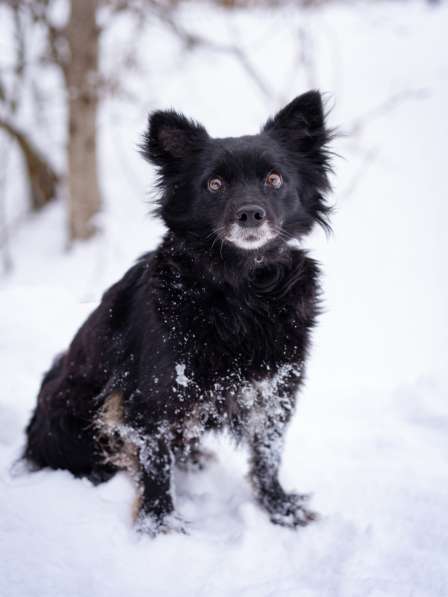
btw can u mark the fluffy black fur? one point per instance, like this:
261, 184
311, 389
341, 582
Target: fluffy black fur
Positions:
211, 330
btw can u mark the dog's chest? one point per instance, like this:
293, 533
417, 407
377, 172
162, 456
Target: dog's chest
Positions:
241, 405
220, 330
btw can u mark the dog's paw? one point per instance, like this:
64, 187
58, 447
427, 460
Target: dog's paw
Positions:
151, 526
291, 511
297, 517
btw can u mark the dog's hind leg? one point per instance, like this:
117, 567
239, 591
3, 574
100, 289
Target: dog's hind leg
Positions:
61, 433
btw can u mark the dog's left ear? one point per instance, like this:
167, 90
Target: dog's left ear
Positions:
301, 124
171, 137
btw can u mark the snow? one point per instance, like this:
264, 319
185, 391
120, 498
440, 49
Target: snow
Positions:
181, 378
370, 437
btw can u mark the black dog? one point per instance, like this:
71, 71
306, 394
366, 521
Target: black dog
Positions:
208, 332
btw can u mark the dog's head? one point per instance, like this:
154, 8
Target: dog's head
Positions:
248, 192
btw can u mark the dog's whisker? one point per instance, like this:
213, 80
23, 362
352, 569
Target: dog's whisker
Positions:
216, 234
214, 241
283, 234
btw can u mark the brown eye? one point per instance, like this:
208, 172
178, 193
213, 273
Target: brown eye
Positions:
215, 184
274, 180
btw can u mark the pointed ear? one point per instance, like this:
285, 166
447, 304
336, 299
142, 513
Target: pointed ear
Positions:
171, 136
299, 123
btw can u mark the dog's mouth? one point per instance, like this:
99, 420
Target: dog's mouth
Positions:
250, 238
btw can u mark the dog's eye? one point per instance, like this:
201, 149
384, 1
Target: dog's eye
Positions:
215, 184
274, 180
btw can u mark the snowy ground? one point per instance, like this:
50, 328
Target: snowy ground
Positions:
371, 435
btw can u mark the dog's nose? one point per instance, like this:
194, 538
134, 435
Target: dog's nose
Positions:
250, 215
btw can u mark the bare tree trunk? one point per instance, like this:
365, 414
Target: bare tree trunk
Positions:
81, 75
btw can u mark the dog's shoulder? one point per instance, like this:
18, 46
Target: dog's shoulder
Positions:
135, 277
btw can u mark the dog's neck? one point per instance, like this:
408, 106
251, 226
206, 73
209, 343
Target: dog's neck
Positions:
224, 263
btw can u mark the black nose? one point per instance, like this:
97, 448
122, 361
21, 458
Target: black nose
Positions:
250, 215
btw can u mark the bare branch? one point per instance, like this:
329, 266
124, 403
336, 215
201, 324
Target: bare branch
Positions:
307, 56
367, 160
56, 36
4, 231
192, 41
384, 108
43, 179
357, 127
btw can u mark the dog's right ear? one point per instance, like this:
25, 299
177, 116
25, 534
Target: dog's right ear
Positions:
171, 137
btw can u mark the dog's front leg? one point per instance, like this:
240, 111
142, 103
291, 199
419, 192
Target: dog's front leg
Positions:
266, 438
155, 512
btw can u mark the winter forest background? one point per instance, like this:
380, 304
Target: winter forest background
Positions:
370, 438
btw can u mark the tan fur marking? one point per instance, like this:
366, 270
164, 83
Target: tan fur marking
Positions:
119, 450
111, 413
136, 507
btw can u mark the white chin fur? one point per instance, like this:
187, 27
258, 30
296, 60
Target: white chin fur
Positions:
250, 238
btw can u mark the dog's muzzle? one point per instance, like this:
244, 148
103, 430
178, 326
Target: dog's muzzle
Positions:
250, 237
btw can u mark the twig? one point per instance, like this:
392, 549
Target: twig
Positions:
359, 124
4, 232
386, 106
193, 41
303, 60
307, 56
369, 157
43, 179
56, 36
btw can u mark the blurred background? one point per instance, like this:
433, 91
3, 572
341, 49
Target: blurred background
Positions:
77, 81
